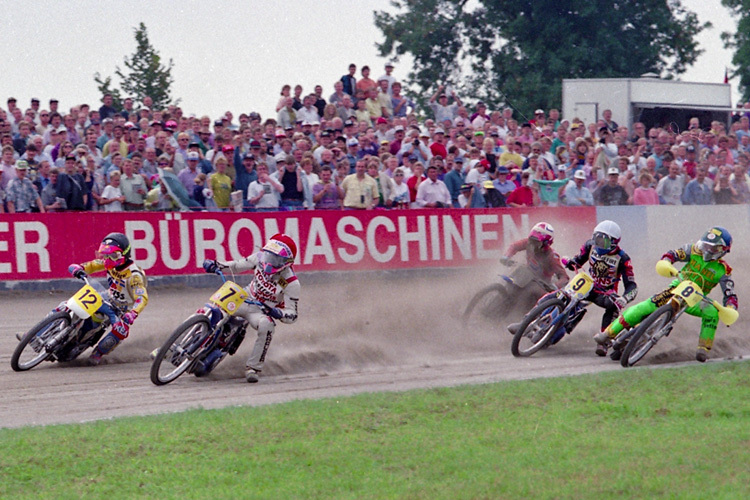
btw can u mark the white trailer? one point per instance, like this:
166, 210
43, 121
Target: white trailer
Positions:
653, 101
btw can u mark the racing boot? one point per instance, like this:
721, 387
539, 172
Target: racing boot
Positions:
603, 341
701, 354
513, 327
251, 375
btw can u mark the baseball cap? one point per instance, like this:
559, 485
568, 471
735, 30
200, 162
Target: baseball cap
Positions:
580, 174
503, 170
613, 171
219, 123
61, 129
413, 157
465, 187
22, 165
459, 159
439, 131
389, 64
539, 112
348, 123
381, 120
254, 144
249, 156
562, 167
192, 155
690, 149
227, 148
398, 128
193, 145
352, 142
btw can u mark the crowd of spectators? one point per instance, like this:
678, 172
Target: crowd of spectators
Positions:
362, 147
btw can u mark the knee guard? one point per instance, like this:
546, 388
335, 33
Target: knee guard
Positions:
107, 344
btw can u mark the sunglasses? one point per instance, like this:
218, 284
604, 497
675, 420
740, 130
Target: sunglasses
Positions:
111, 256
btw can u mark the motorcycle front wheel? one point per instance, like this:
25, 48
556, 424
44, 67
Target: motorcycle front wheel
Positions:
537, 328
643, 338
31, 351
491, 302
178, 352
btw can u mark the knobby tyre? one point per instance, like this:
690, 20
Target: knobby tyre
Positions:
49, 326
178, 352
642, 340
489, 302
536, 329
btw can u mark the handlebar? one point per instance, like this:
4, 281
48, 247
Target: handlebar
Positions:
258, 303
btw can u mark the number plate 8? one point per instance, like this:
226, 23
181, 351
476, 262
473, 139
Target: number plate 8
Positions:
689, 292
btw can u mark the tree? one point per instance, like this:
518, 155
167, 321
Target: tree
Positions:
516, 52
144, 75
740, 42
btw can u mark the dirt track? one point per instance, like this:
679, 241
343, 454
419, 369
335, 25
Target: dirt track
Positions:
359, 336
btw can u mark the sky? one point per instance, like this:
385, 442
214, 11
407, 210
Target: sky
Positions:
227, 55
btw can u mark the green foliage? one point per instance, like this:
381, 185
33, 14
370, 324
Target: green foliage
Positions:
517, 52
144, 75
636, 433
740, 42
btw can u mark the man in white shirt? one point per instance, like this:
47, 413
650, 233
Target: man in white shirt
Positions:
432, 193
265, 192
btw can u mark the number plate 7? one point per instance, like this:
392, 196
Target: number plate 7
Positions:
229, 297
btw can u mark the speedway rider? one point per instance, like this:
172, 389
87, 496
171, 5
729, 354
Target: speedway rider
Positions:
127, 290
608, 264
541, 259
275, 284
705, 267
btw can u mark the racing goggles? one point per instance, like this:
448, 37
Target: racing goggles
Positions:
272, 263
603, 241
711, 251
111, 255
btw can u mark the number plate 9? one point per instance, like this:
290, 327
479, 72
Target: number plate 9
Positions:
580, 285
229, 297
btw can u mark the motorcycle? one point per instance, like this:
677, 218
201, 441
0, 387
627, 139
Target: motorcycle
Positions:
660, 323
58, 337
496, 300
187, 349
554, 315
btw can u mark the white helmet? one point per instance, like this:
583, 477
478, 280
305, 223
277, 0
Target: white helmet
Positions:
607, 235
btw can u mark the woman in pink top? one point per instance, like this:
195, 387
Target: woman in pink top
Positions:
645, 194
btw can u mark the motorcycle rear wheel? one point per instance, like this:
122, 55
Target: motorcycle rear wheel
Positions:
49, 326
491, 302
536, 330
643, 338
175, 356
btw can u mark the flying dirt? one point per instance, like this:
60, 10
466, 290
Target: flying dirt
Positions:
356, 333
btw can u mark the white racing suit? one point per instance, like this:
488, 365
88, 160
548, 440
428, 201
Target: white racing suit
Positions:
279, 290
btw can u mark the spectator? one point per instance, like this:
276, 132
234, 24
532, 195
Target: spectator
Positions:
133, 186
724, 192
464, 199
365, 84
360, 190
442, 110
50, 201
415, 180
576, 193
432, 192
699, 190
349, 81
21, 196
106, 110
326, 194
187, 175
400, 103
383, 183
645, 194
671, 186
523, 195
454, 180
611, 193
112, 197
289, 176
740, 184
400, 192
221, 184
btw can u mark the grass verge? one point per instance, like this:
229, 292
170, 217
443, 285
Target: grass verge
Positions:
641, 433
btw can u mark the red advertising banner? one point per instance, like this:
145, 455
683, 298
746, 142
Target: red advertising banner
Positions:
41, 246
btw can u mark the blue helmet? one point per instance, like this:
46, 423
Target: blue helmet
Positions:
714, 244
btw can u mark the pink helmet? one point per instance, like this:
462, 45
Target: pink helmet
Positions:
114, 250
278, 254
543, 233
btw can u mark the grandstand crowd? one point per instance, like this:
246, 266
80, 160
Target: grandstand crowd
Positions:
361, 147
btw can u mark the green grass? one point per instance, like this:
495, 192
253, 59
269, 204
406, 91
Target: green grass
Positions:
674, 433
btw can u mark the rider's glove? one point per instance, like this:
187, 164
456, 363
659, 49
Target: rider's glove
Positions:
210, 266
506, 261
621, 302
77, 271
275, 313
570, 264
129, 317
